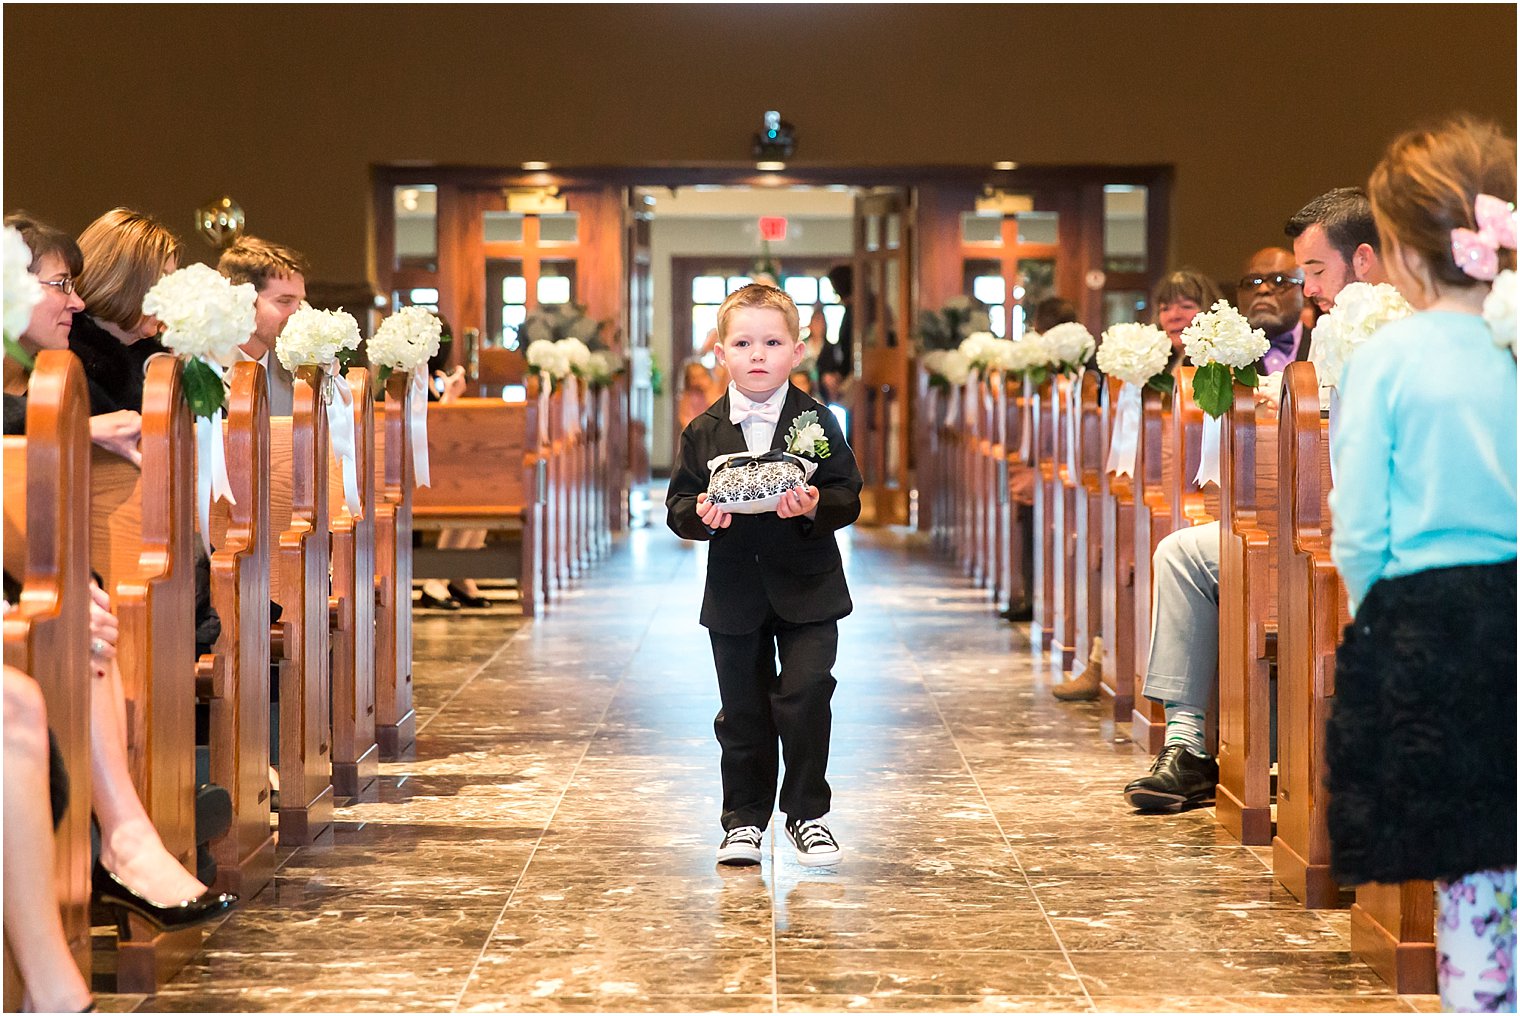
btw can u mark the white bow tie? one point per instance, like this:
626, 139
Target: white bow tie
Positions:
741, 410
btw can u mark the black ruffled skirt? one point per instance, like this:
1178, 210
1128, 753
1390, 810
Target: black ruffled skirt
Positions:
1420, 744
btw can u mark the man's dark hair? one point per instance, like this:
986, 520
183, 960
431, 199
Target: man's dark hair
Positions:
1344, 214
1052, 311
842, 278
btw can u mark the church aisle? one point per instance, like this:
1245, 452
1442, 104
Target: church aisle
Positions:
551, 848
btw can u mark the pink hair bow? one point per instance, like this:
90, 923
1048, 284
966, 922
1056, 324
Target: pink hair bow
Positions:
1477, 251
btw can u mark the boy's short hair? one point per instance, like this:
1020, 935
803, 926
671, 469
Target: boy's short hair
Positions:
759, 295
257, 261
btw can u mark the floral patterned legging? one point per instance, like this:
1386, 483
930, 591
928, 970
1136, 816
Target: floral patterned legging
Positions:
1475, 942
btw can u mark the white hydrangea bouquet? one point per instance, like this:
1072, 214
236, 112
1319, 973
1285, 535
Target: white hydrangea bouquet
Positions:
577, 355
1498, 310
982, 351
1137, 355
1225, 349
1360, 310
948, 368
1068, 347
316, 338
603, 367
205, 319
547, 359
406, 341
22, 293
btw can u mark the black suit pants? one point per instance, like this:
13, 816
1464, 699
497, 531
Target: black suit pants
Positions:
762, 707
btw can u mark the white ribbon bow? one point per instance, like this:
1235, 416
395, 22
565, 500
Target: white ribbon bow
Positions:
968, 400
1335, 407
211, 479
1125, 440
340, 432
952, 405
1073, 407
543, 408
1025, 438
1208, 452
422, 476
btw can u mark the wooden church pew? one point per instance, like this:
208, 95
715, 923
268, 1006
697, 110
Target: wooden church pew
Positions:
395, 717
1000, 505
926, 433
1117, 596
1063, 564
1247, 616
355, 750
966, 475
1311, 612
47, 633
1087, 515
1018, 443
1043, 420
300, 571
240, 592
142, 530
984, 568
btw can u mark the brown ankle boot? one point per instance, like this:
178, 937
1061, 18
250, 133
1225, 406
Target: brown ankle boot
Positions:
1084, 687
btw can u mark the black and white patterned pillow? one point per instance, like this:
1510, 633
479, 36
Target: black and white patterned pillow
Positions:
747, 484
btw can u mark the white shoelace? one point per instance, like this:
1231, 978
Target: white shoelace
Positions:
816, 834
744, 834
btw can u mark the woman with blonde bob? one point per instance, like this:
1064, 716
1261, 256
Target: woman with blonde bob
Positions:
125, 253
1420, 745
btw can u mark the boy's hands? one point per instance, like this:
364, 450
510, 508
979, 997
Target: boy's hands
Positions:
712, 514
799, 501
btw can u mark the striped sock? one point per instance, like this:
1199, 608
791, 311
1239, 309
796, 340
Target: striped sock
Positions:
1184, 726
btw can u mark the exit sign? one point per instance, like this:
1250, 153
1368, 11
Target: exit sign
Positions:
773, 228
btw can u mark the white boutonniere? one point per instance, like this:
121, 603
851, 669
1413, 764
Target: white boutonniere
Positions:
806, 436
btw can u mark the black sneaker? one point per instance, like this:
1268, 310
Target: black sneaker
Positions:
1178, 779
741, 846
815, 845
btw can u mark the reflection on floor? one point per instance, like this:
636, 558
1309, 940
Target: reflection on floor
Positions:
551, 847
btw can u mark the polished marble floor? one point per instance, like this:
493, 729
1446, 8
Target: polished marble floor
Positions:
551, 847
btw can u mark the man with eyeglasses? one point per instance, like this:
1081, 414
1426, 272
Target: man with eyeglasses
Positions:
1183, 669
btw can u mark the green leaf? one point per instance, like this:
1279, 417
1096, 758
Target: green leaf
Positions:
1247, 376
14, 350
1164, 383
1213, 389
385, 374
1038, 376
203, 389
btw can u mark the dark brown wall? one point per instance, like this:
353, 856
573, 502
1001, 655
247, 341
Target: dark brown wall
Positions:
285, 108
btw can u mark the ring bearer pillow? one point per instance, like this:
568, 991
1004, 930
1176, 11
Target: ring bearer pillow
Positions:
745, 483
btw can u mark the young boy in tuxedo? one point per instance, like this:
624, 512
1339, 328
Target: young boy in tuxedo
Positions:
775, 583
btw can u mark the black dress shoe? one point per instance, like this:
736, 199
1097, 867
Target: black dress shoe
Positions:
123, 899
465, 599
434, 603
1178, 779
1018, 612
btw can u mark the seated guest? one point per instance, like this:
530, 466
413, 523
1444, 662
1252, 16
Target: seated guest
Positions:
34, 778
278, 275
125, 253
57, 263
1183, 668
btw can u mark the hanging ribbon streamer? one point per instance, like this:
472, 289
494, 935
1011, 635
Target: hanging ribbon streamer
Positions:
422, 475
1126, 436
1025, 439
211, 479
968, 400
1073, 406
1335, 405
952, 405
340, 433
572, 407
543, 408
1208, 452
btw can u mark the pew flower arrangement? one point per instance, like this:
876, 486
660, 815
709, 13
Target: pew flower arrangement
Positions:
948, 327
406, 341
577, 355
1224, 346
1137, 355
547, 359
22, 293
1499, 309
982, 351
205, 319
603, 366
948, 368
1068, 347
1360, 310
317, 338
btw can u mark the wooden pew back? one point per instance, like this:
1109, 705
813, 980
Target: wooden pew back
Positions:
47, 634
395, 718
355, 753
1117, 595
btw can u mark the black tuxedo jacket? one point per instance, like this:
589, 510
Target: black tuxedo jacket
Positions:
764, 562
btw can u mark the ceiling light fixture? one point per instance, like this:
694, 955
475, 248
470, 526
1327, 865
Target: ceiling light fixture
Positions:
1005, 165
770, 167
535, 167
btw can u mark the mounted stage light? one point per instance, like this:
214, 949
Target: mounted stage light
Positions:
775, 141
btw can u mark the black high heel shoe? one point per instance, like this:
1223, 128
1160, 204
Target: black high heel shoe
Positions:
123, 899
464, 599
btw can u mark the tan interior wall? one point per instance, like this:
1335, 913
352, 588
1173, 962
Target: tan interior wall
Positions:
285, 108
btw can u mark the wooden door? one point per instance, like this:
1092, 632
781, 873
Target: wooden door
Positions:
882, 317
